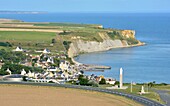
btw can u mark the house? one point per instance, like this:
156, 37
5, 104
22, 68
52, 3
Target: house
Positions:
52, 69
46, 51
9, 71
18, 49
23, 72
110, 81
30, 74
64, 65
50, 60
1, 64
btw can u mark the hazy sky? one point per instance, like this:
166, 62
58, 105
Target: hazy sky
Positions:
86, 5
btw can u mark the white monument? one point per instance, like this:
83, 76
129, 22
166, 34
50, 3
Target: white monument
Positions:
142, 90
120, 82
121, 78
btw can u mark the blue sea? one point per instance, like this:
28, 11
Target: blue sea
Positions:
141, 64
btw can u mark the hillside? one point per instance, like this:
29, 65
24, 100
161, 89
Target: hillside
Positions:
75, 38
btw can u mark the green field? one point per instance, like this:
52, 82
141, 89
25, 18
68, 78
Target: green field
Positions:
38, 35
28, 36
66, 25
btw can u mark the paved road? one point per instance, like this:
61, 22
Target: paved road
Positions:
165, 96
142, 100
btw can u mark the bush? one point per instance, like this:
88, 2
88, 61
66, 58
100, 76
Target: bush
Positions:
53, 41
6, 44
163, 84
103, 81
51, 82
66, 44
83, 80
131, 41
117, 83
93, 83
24, 78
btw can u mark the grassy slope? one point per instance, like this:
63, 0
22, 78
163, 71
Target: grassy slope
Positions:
136, 89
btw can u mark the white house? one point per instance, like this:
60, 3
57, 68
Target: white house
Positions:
23, 72
50, 60
18, 49
110, 81
9, 71
64, 65
46, 51
52, 69
31, 74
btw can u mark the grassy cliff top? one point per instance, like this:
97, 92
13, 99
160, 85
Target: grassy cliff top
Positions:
35, 35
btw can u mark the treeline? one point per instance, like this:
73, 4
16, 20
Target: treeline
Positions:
11, 57
17, 68
11, 60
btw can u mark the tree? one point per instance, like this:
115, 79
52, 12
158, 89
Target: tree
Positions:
103, 81
93, 83
53, 41
117, 83
83, 80
151, 84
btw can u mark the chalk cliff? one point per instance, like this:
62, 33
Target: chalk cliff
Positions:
79, 46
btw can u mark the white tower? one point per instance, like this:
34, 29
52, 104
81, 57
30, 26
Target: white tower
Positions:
121, 78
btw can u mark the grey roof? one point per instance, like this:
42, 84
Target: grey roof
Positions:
14, 76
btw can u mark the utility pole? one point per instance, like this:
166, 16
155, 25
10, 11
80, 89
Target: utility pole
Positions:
147, 87
131, 90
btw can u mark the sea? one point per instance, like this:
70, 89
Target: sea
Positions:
140, 64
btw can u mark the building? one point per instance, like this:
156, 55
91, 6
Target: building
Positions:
13, 78
46, 51
64, 65
18, 49
23, 72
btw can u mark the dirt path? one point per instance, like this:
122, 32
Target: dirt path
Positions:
17, 95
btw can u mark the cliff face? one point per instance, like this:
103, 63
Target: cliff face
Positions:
79, 46
128, 33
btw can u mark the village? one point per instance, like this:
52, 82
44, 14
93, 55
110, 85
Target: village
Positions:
57, 68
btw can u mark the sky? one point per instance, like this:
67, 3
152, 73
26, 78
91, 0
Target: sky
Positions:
125, 6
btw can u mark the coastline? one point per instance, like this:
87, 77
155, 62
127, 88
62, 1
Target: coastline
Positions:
109, 48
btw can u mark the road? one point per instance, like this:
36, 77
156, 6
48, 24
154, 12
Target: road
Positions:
139, 99
165, 96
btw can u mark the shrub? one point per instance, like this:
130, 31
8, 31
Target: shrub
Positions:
24, 78
93, 83
103, 81
53, 41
